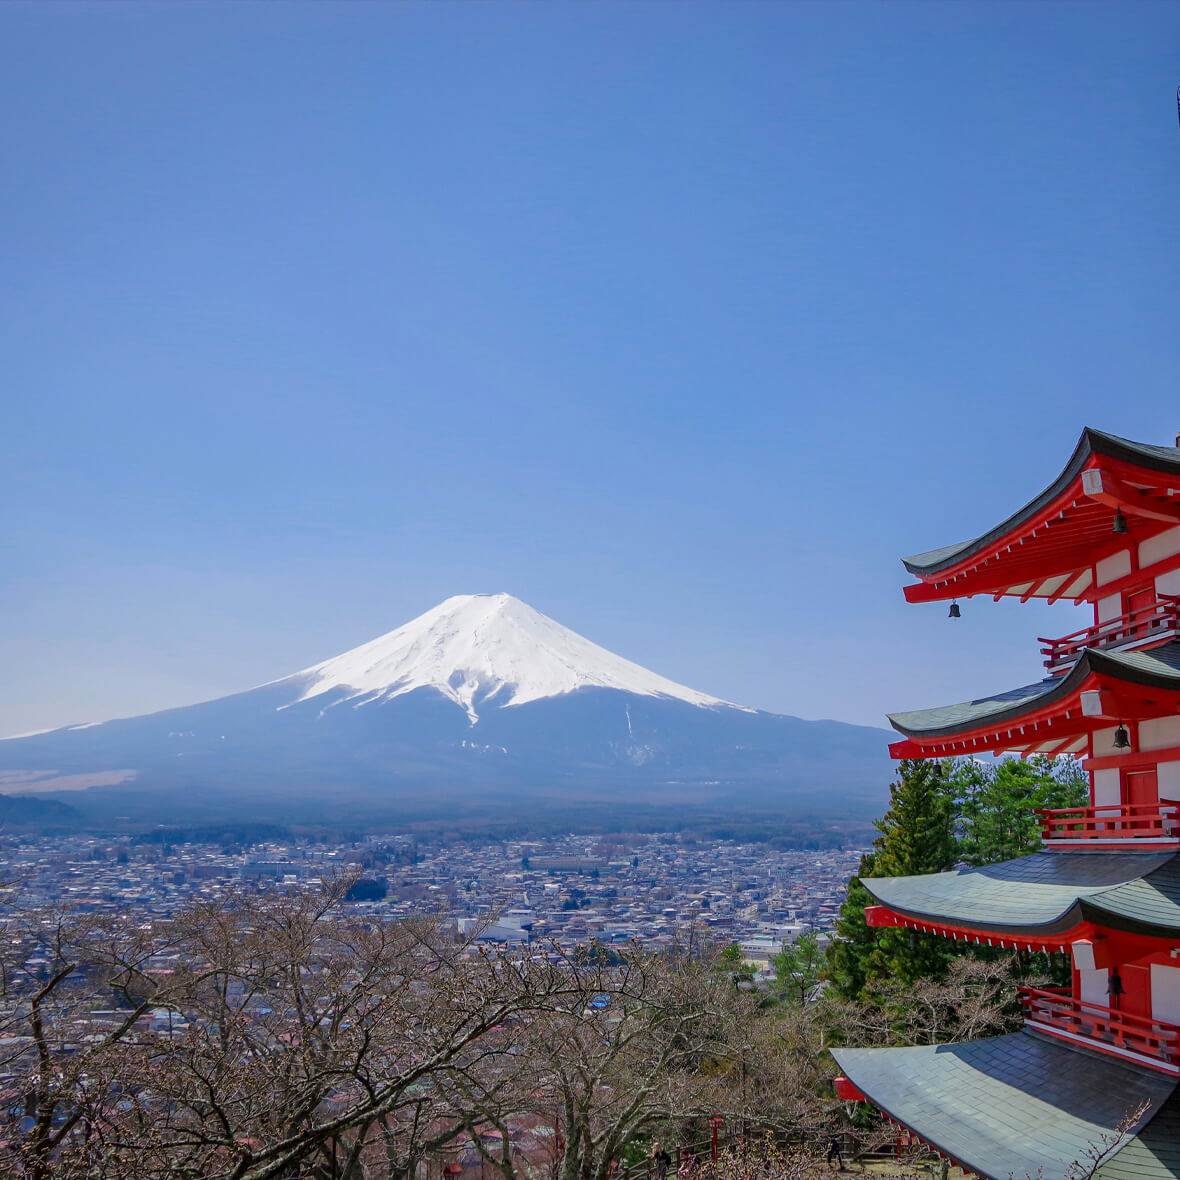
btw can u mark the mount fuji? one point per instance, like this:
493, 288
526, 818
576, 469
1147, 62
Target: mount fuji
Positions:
480, 701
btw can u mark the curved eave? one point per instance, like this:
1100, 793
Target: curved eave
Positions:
1014, 1105
1047, 898
1053, 700
1046, 548
1081, 920
986, 712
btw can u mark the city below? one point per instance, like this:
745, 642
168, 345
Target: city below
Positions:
656, 890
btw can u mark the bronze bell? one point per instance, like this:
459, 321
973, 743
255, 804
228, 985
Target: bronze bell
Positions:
1122, 739
953, 613
1120, 523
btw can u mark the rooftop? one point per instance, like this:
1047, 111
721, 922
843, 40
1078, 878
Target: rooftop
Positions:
1046, 894
1023, 1105
1054, 702
1045, 548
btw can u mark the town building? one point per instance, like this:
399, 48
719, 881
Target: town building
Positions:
1105, 886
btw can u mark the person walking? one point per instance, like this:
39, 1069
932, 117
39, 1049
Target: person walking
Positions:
834, 1154
661, 1161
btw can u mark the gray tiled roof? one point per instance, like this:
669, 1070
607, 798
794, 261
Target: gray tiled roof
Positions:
967, 714
1038, 892
1017, 1105
1158, 666
1154, 1154
1091, 442
1151, 903
1155, 662
1045, 893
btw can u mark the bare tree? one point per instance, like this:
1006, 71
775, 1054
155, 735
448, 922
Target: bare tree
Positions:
281, 1035
631, 1042
269, 1036
1106, 1146
975, 999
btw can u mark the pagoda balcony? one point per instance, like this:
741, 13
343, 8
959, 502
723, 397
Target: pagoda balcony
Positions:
1110, 823
1138, 1038
1138, 628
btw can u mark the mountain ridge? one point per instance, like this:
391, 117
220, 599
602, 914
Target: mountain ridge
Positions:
480, 698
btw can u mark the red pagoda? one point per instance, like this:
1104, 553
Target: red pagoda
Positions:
1105, 885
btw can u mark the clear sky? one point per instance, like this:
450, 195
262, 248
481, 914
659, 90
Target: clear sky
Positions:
679, 321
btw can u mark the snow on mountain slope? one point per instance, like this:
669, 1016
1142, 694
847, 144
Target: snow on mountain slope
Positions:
486, 649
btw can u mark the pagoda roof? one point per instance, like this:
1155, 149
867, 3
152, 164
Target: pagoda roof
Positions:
1043, 895
1155, 668
1046, 549
947, 719
1154, 1153
1023, 1105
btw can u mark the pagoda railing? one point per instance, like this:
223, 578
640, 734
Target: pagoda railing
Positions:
1160, 620
1058, 1011
1110, 821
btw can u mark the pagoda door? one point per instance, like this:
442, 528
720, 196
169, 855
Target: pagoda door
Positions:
1140, 600
1136, 997
1140, 786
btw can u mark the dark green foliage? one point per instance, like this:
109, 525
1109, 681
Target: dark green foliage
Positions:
941, 814
996, 804
848, 954
367, 889
797, 969
917, 832
596, 955
916, 836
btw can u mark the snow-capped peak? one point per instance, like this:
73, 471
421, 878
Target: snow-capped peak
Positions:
487, 650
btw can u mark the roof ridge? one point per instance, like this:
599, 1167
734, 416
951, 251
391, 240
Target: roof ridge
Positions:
1159, 457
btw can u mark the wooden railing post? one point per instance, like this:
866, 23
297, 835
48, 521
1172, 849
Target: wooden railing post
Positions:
1157, 619
1100, 820
1136, 1034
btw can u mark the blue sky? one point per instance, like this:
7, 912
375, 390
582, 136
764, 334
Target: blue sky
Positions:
679, 321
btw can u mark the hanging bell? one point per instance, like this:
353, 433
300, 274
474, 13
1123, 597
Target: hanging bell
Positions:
1120, 523
953, 613
1122, 739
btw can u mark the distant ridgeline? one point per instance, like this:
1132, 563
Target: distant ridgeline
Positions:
21, 811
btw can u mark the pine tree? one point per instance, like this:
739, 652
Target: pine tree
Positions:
797, 969
848, 953
997, 804
941, 813
917, 832
917, 835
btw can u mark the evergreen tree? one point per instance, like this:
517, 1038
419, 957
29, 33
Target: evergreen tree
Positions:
917, 835
917, 832
848, 953
732, 962
797, 969
941, 813
997, 804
